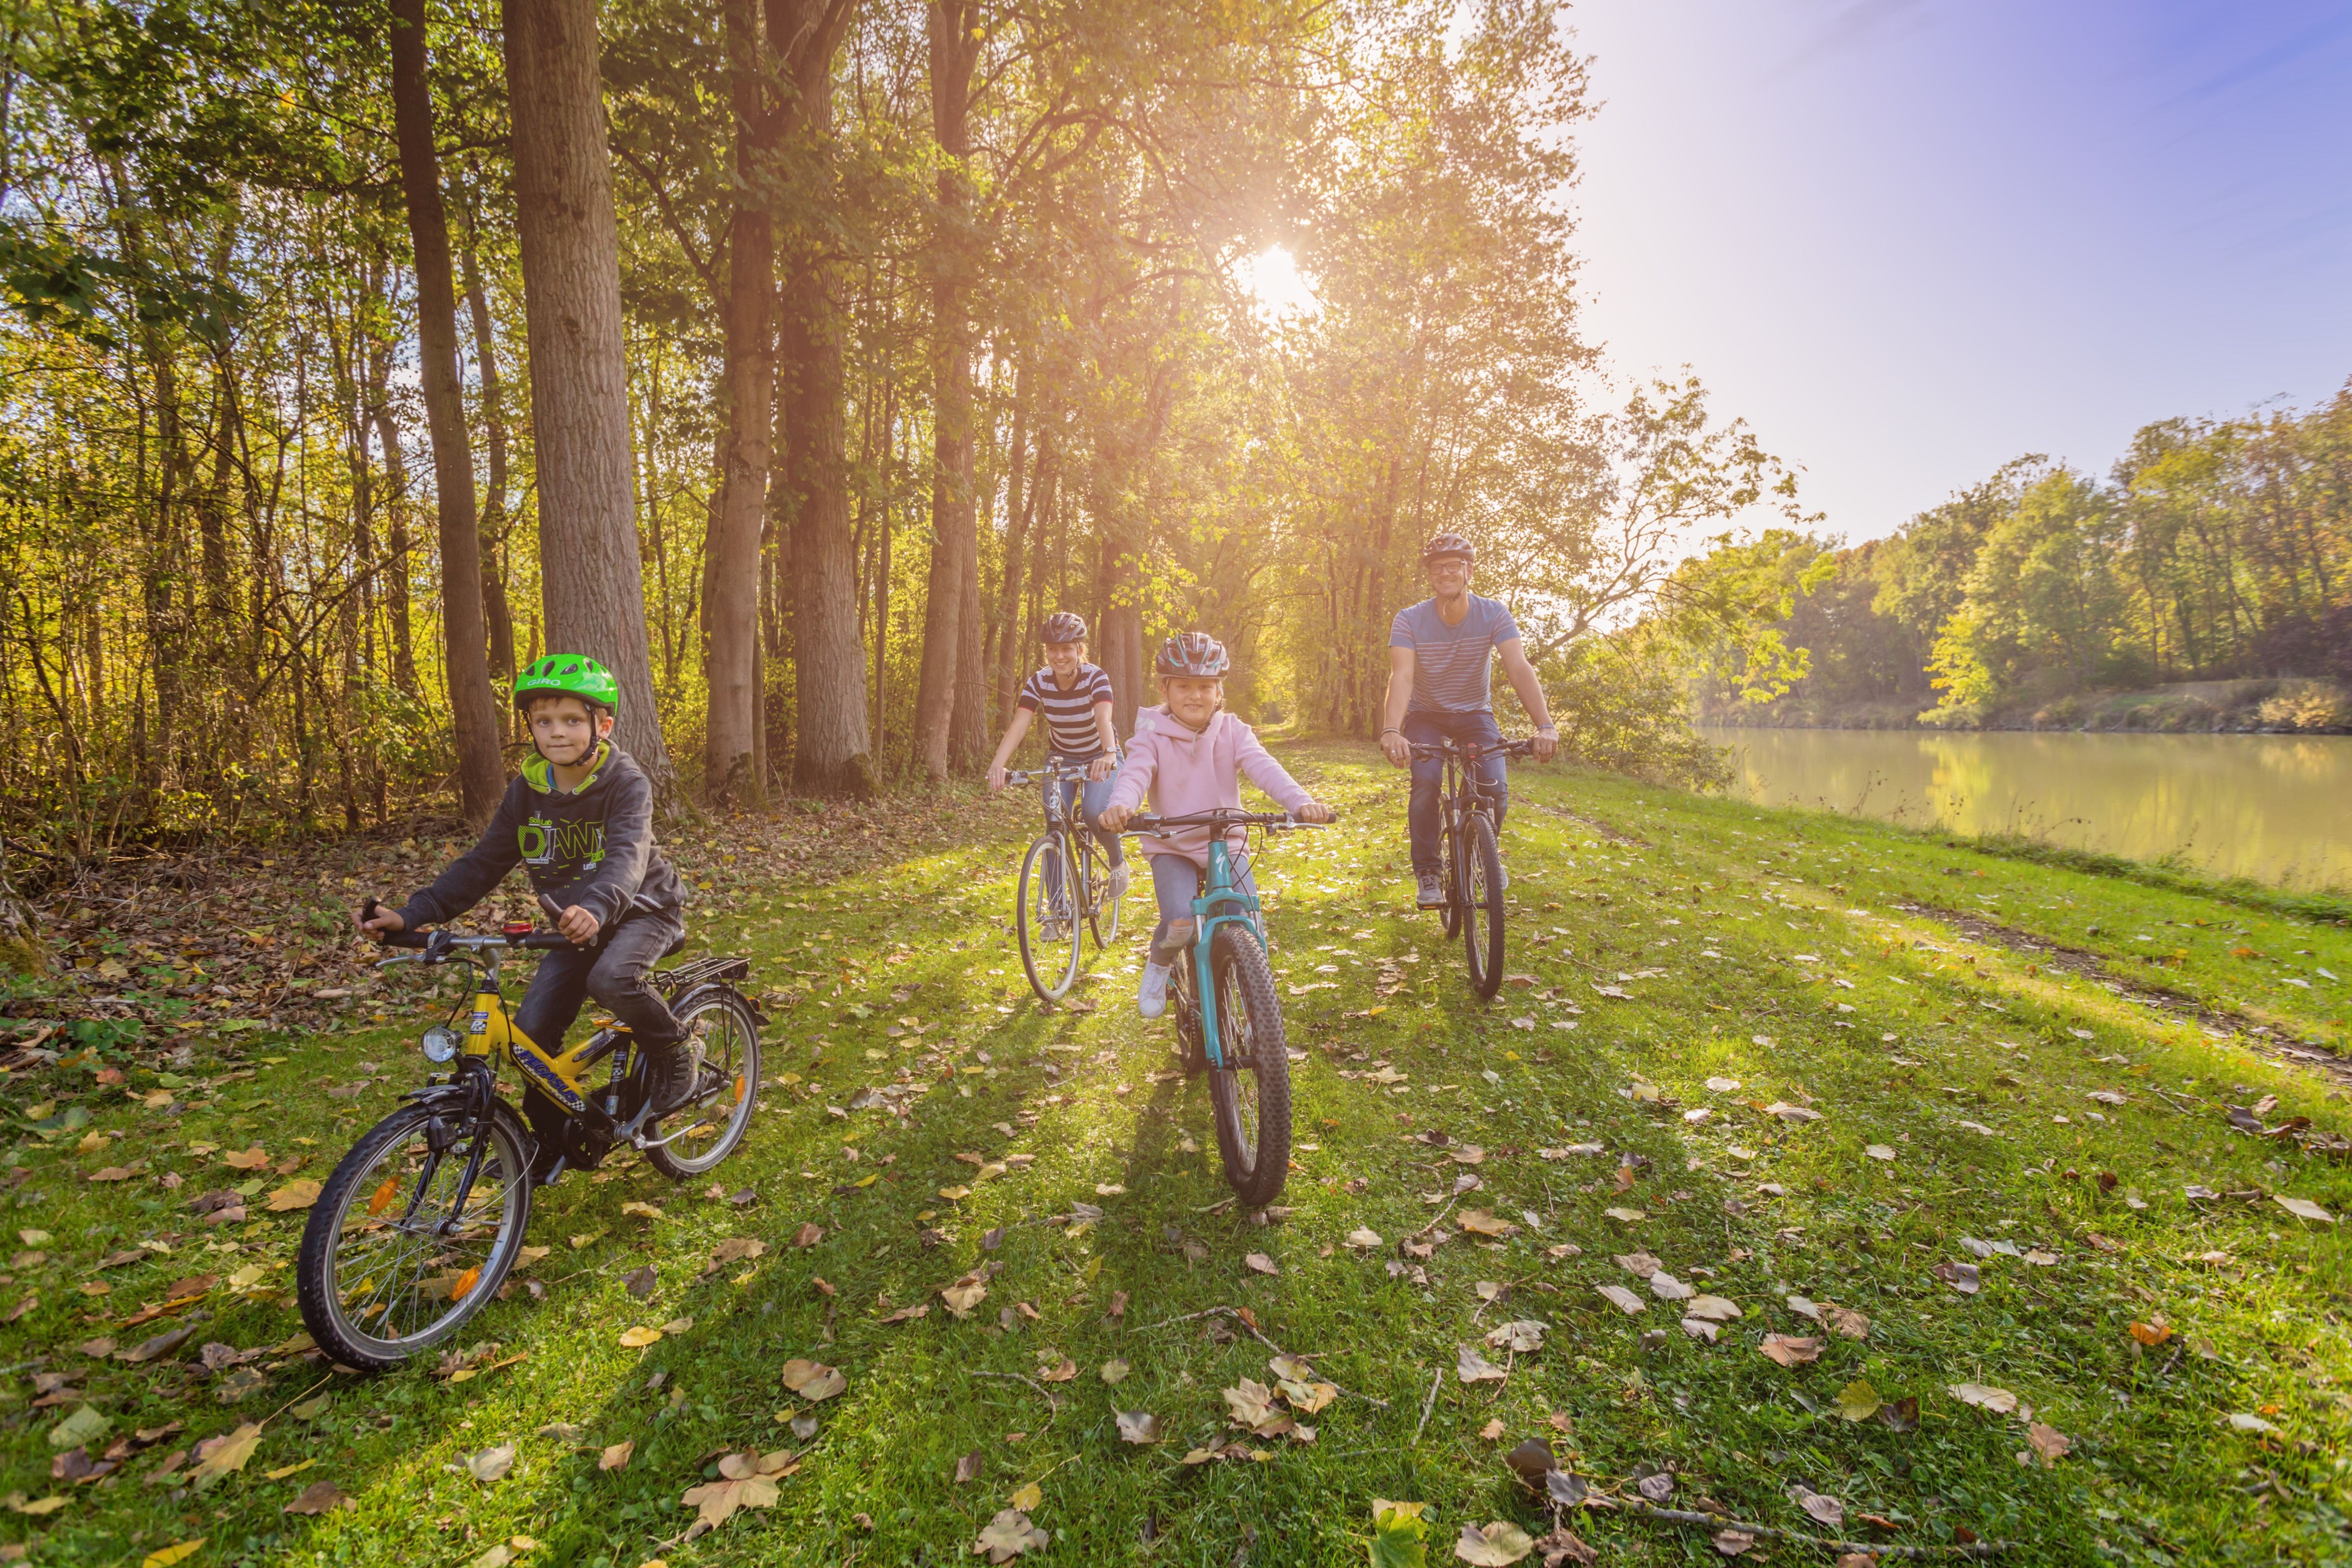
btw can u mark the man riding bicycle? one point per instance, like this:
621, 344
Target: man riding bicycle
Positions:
1441, 689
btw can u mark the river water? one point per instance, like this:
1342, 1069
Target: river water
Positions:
2274, 807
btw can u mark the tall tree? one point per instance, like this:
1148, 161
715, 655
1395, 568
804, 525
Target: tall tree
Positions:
955, 40
592, 575
473, 710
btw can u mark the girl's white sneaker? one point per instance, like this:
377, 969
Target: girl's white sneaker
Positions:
1152, 996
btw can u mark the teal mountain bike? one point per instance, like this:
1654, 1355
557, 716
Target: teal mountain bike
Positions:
1228, 1016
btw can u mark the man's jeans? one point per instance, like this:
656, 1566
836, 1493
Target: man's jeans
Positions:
1426, 816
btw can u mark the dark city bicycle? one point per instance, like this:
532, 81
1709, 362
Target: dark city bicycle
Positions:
1228, 1016
1473, 874
1065, 888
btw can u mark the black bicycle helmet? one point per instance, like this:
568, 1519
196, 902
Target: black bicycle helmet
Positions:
1062, 627
1194, 653
1447, 543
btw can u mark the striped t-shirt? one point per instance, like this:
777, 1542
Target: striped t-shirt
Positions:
1069, 715
1451, 665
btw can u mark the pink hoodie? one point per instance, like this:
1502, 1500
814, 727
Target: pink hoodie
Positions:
1184, 772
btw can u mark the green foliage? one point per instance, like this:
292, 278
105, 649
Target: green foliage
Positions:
1399, 1535
1622, 703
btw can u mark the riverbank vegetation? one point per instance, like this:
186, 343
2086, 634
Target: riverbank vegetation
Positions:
1813, 1174
2204, 584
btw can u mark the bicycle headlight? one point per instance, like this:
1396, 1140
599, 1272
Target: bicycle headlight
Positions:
440, 1043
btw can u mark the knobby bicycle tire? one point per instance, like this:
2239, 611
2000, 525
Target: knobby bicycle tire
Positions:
1482, 899
711, 1007
1038, 956
327, 1272
1256, 1158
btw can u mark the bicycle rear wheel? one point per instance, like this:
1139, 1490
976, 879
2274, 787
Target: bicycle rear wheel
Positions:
724, 1023
1482, 896
1051, 963
1102, 908
390, 1266
1250, 1094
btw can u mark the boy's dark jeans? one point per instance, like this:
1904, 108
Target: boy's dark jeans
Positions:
613, 972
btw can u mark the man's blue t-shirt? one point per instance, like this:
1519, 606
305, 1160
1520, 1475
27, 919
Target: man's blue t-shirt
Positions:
1452, 665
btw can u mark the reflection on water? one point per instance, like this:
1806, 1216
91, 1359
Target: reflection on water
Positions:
2277, 807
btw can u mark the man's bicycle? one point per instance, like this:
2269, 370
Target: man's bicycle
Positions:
1064, 886
1473, 874
418, 1225
1228, 1017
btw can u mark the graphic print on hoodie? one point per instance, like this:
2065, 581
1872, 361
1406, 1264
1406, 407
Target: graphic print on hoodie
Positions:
593, 846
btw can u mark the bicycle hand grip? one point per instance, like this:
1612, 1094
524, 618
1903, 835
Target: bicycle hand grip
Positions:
369, 910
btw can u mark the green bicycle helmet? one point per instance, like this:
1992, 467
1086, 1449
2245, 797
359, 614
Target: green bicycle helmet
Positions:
573, 676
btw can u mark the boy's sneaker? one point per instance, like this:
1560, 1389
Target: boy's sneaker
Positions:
1152, 996
1118, 880
1429, 891
681, 1076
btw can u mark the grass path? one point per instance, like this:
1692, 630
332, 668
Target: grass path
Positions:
1907, 1115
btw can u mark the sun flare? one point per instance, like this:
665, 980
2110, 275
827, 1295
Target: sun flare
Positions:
1272, 280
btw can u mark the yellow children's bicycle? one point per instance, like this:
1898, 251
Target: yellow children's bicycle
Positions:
418, 1225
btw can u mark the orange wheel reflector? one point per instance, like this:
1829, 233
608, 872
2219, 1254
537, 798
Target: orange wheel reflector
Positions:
465, 1282
738, 1088
381, 1200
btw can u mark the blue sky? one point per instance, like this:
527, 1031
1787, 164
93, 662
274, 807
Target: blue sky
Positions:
1911, 239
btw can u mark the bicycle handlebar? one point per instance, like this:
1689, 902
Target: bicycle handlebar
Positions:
1441, 748
436, 944
1219, 817
1051, 770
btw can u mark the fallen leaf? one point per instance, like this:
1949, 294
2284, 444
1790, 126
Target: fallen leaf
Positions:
1880, 1151
1008, 1535
251, 1159
1492, 1430
1306, 1399
965, 1294
1666, 1287
1985, 1396
1480, 1222
812, 1380
639, 1337
1961, 1277
1845, 1322
968, 1467
1625, 1215
1251, 1404
292, 1196
1712, 1309
1028, 1495
165, 1556
1858, 1401
2050, 1443
1473, 1367
1824, 1508
1055, 1367
1525, 1336
1497, 1545
1640, 1264
2303, 1208
1624, 1299
491, 1464
85, 1425
316, 1497
1364, 1240
2151, 1334
1262, 1263
1138, 1427
38, 1506
641, 1210
224, 1455
1564, 1546
745, 1480
2253, 1424
1115, 1371
1732, 1542
1791, 1351
616, 1456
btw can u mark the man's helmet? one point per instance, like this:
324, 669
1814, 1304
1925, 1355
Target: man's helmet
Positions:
1193, 653
1447, 543
1062, 627
573, 676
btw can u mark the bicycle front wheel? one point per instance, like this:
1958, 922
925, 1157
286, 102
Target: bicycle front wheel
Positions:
391, 1264
1250, 1093
1102, 905
1482, 897
1045, 920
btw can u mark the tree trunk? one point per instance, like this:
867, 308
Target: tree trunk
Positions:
496, 609
1011, 633
398, 546
968, 747
953, 54
473, 708
730, 581
591, 573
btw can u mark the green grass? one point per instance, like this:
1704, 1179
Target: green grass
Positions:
1738, 1203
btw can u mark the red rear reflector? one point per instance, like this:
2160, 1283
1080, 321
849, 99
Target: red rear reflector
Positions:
516, 928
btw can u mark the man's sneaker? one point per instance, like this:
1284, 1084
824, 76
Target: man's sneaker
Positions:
681, 1078
1429, 891
1152, 996
1118, 880
1052, 929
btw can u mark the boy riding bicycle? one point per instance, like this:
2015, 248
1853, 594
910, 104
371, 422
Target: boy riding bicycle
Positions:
580, 817
1188, 755
1075, 698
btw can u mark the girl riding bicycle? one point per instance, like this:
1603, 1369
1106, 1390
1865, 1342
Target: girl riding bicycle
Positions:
1188, 755
1075, 698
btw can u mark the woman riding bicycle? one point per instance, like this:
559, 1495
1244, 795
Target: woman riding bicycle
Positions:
1188, 755
1075, 698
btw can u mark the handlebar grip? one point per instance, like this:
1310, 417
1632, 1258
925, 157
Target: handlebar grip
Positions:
547, 939
369, 910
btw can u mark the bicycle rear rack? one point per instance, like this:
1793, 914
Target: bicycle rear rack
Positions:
697, 971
